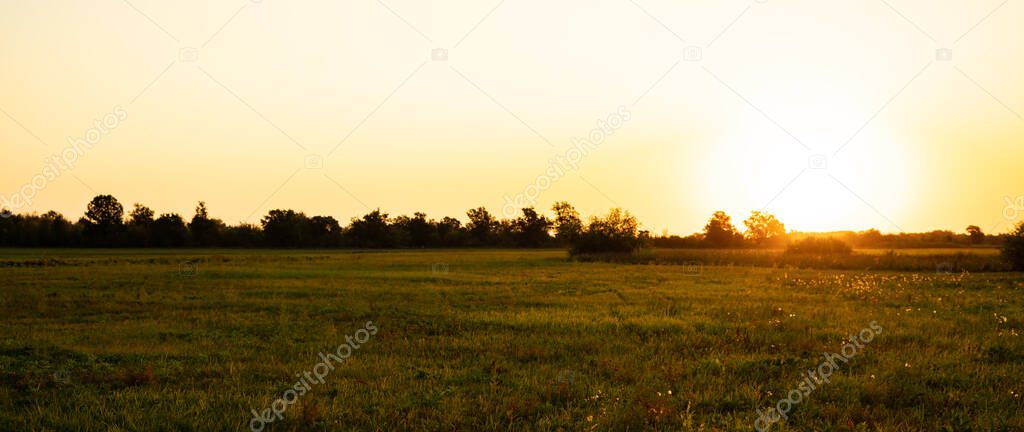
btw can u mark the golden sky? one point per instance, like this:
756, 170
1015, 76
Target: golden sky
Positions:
832, 115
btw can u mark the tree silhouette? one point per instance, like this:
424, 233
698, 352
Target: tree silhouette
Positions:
141, 215
54, 230
449, 232
284, 228
1013, 247
324, 232
975, 233
762, 228
720, 232
567, 222
105, 225
205, 231
243, 235
871, 237
104, 210
140, 223
616, 233
481, 225
169, 230
421, 231
531, 229
371, 231
103, 221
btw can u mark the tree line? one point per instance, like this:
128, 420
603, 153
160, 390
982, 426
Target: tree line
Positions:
105, 224
764, 230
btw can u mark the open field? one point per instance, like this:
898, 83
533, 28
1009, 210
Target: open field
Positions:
983, 251
495, 340
904, 260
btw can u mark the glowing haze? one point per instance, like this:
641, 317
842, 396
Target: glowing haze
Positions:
832, 115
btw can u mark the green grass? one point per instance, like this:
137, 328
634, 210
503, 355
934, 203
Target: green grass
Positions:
904, 260
505, 340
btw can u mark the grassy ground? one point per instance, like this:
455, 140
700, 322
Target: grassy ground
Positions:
494, 340
904, 260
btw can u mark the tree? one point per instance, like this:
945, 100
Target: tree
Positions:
531, 229
324, 232
54, 230
1013, 247
421, 231
977, 236
372, 231
242, 235
720, 232
481, 225
140, 215
140, 223
616, 233
285, 228
763, 228
504, 234
205, 231
104, 210
103, 221
871, 237
567, 222
169, 230
449, 232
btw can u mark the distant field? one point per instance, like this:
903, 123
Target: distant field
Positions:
495, 340
912, 260
984, 251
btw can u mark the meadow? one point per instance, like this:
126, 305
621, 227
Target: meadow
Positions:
945, 260
496, 340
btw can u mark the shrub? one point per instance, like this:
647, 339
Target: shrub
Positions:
615, 233
1013, 248
819, 246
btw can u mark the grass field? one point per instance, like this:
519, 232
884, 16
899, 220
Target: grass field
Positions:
904, 260
495, 340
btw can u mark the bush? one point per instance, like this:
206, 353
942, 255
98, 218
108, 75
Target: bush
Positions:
1013, 248
616, 233
819, 246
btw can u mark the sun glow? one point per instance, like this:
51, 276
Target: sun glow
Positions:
229, 110
802, 179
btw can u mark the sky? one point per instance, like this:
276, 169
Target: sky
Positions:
900, 115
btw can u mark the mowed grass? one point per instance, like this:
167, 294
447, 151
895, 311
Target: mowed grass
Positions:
494, 340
